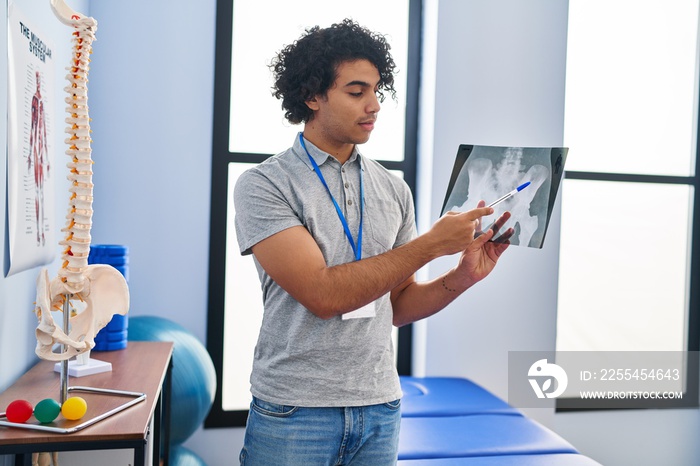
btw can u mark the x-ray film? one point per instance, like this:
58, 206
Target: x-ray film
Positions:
488, 173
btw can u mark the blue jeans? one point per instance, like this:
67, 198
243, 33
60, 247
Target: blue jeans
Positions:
297, 436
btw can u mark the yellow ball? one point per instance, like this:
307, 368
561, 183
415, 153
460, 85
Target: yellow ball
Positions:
74, 408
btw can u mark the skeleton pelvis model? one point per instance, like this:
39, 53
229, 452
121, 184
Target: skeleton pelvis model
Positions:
99, 290
104, 294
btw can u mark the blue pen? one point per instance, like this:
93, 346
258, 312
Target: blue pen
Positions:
510, 194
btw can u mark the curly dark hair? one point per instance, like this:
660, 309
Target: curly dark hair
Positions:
307, 67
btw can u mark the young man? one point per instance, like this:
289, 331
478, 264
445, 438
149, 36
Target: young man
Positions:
334, 240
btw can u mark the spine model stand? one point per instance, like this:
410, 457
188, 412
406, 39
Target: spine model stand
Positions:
100, 290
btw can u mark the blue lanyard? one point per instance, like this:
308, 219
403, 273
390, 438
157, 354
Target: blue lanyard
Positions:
357, 249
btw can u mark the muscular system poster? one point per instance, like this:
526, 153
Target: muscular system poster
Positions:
30, 148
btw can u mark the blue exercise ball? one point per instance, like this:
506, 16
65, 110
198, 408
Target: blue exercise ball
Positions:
181, 456
193, 374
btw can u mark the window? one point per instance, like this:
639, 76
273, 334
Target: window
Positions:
249, 126
628, 277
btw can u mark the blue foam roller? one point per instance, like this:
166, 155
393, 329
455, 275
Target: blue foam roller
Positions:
114, 335
118, 323
111, 336
448, 396
567, 459
476, 435
109, 345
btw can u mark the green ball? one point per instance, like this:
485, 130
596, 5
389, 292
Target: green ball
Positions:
47, 410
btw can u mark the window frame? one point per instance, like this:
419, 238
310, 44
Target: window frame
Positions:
692, 392
692, 330
221, 157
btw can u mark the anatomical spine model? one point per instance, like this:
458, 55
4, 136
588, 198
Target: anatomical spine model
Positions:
101, 288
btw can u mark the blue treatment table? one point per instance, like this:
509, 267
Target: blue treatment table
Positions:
450, 421
567, 459
448, 396
476, 435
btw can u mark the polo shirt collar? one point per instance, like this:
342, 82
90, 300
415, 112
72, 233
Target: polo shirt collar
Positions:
318, 155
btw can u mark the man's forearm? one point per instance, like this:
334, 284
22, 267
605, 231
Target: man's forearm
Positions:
423, 299
346, 287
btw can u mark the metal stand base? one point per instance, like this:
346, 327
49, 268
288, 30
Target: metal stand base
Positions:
136, 398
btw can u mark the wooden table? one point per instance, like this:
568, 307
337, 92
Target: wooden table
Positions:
142, 367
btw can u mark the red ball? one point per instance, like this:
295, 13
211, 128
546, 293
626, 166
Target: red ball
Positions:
19, 411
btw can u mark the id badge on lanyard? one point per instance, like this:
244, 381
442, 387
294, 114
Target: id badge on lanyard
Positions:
368, 310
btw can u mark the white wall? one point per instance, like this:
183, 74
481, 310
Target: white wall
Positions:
151, 93
636, 437
152, 100
498, 79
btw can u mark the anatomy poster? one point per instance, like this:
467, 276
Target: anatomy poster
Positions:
30, 148
524, 179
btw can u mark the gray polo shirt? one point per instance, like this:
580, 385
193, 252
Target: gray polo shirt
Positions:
300, 359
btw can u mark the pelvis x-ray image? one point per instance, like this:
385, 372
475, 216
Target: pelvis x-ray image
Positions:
488, 173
